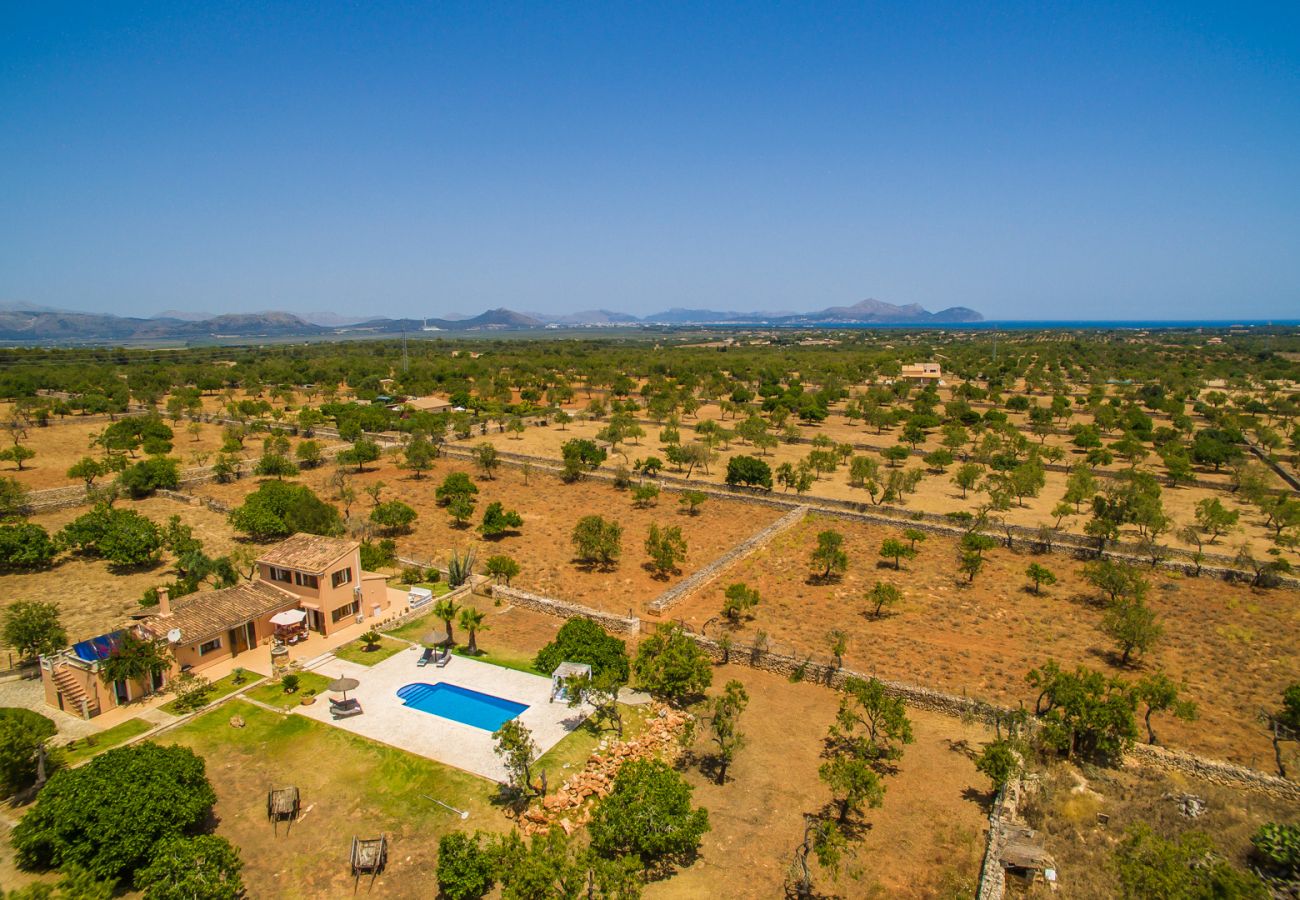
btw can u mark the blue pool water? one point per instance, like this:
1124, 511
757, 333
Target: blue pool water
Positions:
460, 704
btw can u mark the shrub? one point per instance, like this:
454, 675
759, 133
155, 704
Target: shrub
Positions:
290, 682
184, 868
466, 869
24, 547
109, 815
149, 475
122, 536
278, 509
749, 470
393, 517
648, 814
497, 520
597, 541
583, 641
1277, 846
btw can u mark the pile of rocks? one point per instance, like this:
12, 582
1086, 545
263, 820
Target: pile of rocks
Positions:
568, 807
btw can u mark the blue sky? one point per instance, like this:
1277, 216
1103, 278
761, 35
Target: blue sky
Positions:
1036, 160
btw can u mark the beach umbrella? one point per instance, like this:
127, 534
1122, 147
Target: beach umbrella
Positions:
344, 685
436, 638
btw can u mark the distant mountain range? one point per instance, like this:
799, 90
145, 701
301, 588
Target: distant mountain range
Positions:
32, 324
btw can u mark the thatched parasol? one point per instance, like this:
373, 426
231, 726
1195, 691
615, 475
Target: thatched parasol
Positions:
344, 685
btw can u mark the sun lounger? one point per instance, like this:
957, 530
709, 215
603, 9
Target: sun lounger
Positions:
341, 709
426, 657
443, 658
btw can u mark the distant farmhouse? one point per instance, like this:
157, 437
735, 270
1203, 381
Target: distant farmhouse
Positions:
310, 582
922, 373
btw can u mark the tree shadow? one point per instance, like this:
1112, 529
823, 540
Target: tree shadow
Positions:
983, 799
816, 579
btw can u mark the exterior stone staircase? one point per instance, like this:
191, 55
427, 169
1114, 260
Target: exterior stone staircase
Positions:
75, 700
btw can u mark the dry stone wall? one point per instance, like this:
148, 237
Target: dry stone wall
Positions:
687, 586
553, 607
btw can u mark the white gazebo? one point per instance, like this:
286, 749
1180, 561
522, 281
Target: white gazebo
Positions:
564, 671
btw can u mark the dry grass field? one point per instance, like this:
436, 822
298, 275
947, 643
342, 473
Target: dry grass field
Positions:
1233, 646
549, 509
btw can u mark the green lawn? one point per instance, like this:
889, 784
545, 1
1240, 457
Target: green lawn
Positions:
349, 785
272, 693
222, 687
508, 659
415, 630
356, 651
84, 748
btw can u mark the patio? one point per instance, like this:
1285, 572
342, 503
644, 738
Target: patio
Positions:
388, 721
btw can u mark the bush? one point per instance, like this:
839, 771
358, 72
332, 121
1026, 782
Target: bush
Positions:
412, 575
498, 520
24, 547
147, 476
648, 814
671, 665
749, 470
377, 556
393, 517
22, 732
278, 509
191, 692
583, 641
290, 682
466, 869
109, 815
184, 868
122, 536
1278, 848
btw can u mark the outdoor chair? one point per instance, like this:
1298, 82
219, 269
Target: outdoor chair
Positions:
341, 709
443, 658
426, 657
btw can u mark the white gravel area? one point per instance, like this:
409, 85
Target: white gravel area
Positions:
387, 720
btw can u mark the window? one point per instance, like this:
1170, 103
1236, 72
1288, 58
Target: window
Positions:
278, 574
209, 646
302, 579
342, 576
344, 611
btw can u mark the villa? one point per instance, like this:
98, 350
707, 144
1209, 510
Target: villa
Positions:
318, 577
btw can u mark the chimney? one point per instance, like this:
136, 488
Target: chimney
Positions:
164, 602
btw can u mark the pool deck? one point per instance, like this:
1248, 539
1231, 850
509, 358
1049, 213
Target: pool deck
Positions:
388, 721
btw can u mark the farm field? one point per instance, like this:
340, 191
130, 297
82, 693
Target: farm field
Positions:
63, 442
935, 493
1233, 646
549, 509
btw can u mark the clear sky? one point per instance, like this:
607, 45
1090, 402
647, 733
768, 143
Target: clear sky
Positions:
1034, 160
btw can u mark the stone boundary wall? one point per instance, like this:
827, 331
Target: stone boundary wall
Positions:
1004, 816
1213, 565
1214, 771
553, 607
749, 545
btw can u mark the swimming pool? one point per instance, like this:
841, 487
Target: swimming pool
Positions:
460, 704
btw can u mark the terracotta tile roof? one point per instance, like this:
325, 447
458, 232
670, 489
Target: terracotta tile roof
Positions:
210, 613
307, 552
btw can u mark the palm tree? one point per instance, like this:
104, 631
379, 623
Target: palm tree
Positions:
446, 609
471, 620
